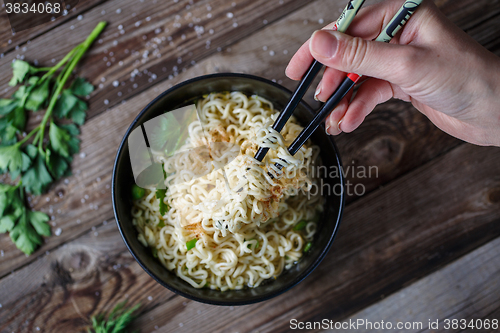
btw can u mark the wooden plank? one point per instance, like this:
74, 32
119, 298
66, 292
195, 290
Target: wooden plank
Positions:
9, 40
387, 240
468, 288
118, 56
396, 139
146, 42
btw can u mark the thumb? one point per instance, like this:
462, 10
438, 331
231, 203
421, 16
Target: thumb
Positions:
390, 62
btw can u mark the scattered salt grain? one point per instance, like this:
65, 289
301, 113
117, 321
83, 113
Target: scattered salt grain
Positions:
103, 12
271, 53
106, 102
229, 15
235, 25
150, 298
83, 154
119, 10
285, 51
138, 23
321, 21
116, 83
58, 232
181, 324
80, 17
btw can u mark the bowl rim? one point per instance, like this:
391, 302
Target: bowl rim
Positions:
273, 294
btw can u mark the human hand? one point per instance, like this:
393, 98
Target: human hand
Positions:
431, 63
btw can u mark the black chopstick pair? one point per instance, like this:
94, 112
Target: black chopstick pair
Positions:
401, 17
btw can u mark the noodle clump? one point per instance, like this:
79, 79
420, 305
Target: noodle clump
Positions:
234, 222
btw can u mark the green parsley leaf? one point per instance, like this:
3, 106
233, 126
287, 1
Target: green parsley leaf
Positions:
7, 105
161, 224
65, 104
74, 142
57, 165
7, 133
20, 69
78, 112
7, 222
37, 97
81, 87
37, 178
17, 118
39, 221
12, 158
24, 235
117, 321
59, 138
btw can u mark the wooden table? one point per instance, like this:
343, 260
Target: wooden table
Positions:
422, 242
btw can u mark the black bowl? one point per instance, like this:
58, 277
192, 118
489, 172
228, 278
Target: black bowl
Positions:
183, 94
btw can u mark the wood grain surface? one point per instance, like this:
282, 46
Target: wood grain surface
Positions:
433, 201
385, 242
466, 290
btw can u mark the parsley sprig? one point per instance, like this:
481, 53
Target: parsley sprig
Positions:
36, 164
118, 320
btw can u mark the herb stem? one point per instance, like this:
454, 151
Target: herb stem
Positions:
80, 51
26, 138
52, 70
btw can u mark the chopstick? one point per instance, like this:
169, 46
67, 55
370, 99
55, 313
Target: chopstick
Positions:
341, 25
396, 23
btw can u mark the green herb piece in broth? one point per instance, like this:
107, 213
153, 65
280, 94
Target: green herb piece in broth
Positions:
190, 244
137, 192
299, 226
160, 195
